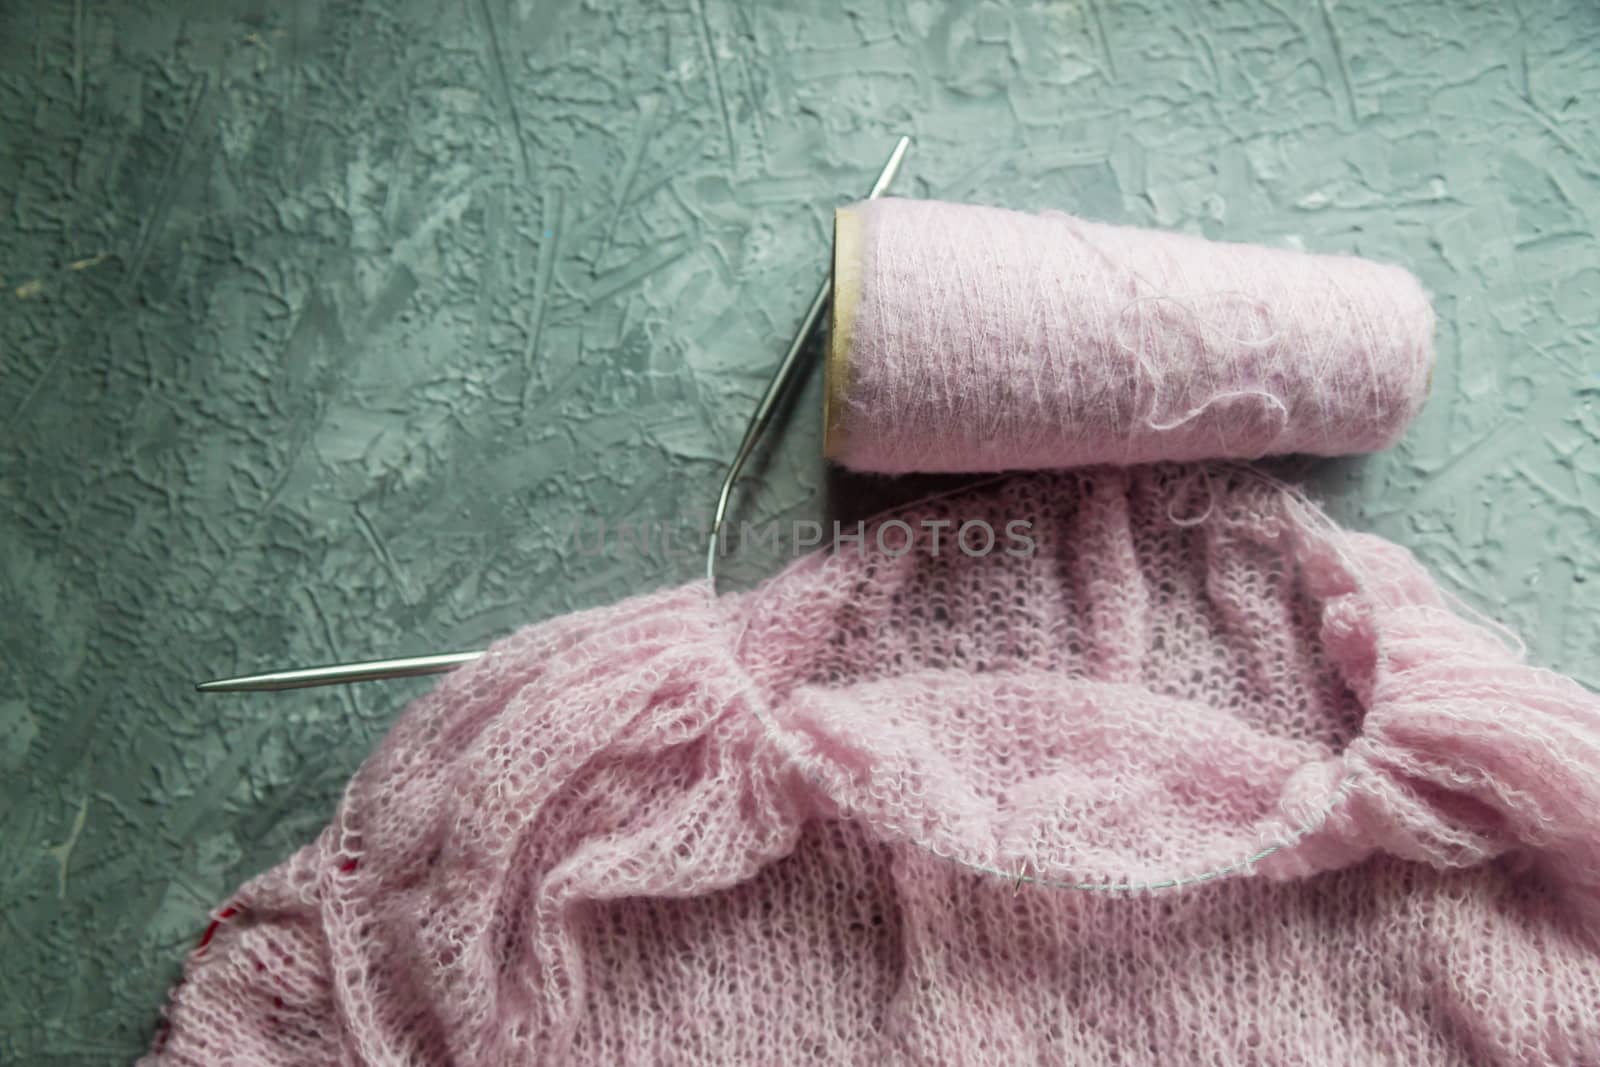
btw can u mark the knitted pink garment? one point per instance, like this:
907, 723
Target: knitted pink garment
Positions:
684, 830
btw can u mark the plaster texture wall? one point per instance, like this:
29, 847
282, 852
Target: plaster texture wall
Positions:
321, 324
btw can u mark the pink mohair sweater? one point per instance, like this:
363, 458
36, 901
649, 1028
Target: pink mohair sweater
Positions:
686, 830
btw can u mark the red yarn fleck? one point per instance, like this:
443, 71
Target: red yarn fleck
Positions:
211, 931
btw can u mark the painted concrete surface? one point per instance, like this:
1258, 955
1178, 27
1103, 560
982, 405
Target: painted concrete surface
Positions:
323, 325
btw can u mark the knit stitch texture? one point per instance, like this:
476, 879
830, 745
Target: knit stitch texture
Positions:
690, 830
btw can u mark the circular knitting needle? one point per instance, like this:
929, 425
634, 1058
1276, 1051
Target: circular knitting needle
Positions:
782, 379
370, 671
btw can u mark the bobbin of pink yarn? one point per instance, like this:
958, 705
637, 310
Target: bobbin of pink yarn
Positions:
971, 338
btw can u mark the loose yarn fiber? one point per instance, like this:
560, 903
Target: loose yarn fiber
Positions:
971, 339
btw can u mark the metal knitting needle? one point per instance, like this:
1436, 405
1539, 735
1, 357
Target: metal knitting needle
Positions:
785, 376
370, 671
413, 666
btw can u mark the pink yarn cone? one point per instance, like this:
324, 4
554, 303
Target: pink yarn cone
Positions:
1323, 819
979, 339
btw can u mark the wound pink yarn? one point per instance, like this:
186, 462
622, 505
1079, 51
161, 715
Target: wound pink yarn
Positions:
984, 339
687, 830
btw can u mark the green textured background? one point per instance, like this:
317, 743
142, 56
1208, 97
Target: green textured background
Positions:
321, 324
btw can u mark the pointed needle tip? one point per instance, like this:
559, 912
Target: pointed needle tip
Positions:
247, 684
